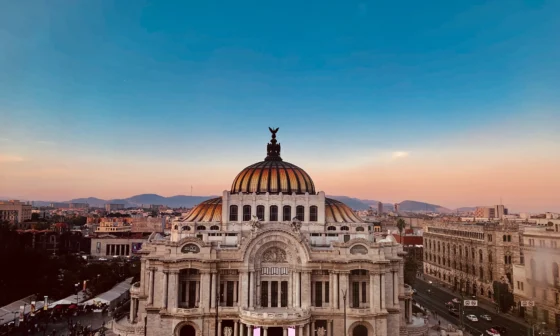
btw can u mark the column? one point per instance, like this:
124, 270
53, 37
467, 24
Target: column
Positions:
241, 329
151, 286
335, 290
313, 328
291, 291
284, 331
235, 328
214, 289
308, 329
143, 276
205, 289
265, 329
383, 296
372, 292
243, 289
344, 287
326, 287
173, 290
395, 288
300, 331
197, 293
132, 308
251, 292
250, 331
219, 327
409, 311
165, 291
297, 292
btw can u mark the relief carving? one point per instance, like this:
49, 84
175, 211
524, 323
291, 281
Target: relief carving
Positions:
296, 225
274, 255
358, 249
255, 223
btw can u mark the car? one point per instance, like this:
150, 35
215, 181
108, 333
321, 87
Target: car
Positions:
471, 317
486, 317
455, 300
450, 304
454, 312
492, 332
501, 330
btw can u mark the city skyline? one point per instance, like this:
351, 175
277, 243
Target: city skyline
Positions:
455, 107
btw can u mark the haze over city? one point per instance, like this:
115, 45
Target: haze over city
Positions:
456, 107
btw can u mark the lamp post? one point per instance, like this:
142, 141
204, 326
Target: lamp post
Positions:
344, 301
77, 287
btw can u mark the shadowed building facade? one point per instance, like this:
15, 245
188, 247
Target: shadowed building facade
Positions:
270, 257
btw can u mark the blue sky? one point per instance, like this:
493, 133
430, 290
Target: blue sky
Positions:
199, 81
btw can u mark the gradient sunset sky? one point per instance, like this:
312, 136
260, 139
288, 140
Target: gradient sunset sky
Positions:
450, 102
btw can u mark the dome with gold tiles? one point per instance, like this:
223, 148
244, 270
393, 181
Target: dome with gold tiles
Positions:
273, 175
207, 211
338, 212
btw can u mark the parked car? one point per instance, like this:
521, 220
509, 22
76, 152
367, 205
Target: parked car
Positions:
492, 332
455, 300
449, 305
454, 311
472, 317
500, 329
486, 317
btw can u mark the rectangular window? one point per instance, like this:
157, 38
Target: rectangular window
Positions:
192, 294
300, 212
233, 213
355, 294
313, 213
273, 213
183, 291
264, 293
246, 213
260, 212
364, 295
284, 294
287, 213
318, 293
274, 293
327, 298
229, 295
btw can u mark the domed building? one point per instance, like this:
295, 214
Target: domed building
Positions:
270, 257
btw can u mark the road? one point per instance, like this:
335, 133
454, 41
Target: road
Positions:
436, 298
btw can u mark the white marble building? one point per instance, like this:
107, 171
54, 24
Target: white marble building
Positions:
271, 257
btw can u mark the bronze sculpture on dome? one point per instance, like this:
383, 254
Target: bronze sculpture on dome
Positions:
273, 148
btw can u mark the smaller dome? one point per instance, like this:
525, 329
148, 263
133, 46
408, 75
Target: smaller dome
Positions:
207, 211
338, 212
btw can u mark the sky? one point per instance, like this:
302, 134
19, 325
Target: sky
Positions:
450, 102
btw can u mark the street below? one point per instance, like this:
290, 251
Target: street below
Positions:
434, 299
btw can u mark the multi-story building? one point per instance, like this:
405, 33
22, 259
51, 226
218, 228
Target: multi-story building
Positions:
273, 257
113, 207
537, 276
493, 212
79, 205
15, 211
379, 208
470, 257
413, 244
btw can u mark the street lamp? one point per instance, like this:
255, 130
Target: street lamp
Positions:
77, 287
344, 300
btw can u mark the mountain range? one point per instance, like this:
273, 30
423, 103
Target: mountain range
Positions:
190, 201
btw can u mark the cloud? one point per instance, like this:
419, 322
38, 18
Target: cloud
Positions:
399, 155
10, 158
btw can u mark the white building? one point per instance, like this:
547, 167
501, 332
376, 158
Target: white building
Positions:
272, 257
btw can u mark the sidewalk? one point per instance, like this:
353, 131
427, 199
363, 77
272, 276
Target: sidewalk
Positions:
435, 321
484, 303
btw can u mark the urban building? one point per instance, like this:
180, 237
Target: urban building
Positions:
272, 257
412, 241
106, 245
60, 205
14, 211
493, 212
470, 257
379, 208
113, 207
79, 205
537, 277
397, 207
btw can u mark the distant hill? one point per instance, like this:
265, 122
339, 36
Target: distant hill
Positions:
466, 209
190, 201
415, 206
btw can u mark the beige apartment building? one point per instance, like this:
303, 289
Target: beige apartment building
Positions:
271, 257
15, 211
470, 257
537, 277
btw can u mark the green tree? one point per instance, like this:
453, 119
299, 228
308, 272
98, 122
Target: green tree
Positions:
401, 224
502, 296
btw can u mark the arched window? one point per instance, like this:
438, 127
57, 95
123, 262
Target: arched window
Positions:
186, 228
504, 238
201, 228
472, 252
331, 228
260, 212
233, 213
481, 273
448, 249
214, 227
466, 252
490, 256
509, 238
359, 229
287, 213
480, 258
313, 213
246, 213
533, 270
454, 249
300, 212
344, 228
176, 227
273, 213
555, 274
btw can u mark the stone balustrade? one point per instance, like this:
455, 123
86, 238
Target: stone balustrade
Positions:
276, 315
124, 328
408, 291
135, 289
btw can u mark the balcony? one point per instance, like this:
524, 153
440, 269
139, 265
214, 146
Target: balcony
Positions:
274, 316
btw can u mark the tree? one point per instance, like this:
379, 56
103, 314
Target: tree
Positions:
502, 296
410, 269
401, 224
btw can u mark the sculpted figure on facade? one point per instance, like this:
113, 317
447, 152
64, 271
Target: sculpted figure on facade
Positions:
227, 331
296, 225
321, 331
274, 255
255, 223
